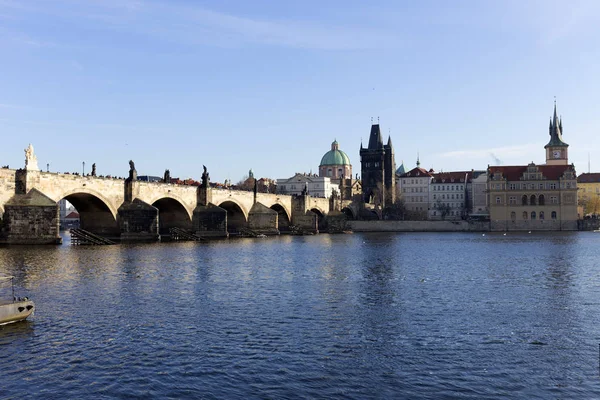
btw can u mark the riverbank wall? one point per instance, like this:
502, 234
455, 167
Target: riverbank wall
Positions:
419, 226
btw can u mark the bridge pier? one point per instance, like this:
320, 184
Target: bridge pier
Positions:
302, 218
30, 218
263, 220
208, 220
138, 222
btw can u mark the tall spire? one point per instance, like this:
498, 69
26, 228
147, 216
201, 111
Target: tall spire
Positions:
555, 130
418, 162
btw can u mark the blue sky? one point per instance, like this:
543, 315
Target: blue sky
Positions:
268, 85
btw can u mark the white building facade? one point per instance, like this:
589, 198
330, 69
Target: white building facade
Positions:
316, 186
448, 195
414, 187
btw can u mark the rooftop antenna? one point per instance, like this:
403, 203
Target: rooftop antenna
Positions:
377, 120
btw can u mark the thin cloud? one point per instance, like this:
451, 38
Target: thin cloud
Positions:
191, 24
498, 152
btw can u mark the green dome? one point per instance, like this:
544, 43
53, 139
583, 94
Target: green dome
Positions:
335, 157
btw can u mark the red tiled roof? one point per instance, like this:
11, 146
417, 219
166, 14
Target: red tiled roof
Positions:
515, 172
73, 215
416, 172
593, 177
452, 177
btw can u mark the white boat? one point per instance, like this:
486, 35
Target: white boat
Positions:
14, 309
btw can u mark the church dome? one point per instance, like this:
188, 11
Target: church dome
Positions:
335, 156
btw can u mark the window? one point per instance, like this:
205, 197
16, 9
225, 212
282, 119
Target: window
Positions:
512, 200
524, 200
512, 186
553, 186
533, 215
340, 172
542, 201
404, 181
434, 213
434, 196
553, 200
532, 200
541, 185
553, 214
497, 199
452, 196
329, 171
443, 197
568, 185
513, 216
541, 215
524, 214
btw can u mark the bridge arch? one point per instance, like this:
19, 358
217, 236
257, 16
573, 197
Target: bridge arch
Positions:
172, 213
237, 217
348, 213
171, 196
96, 213
283, 217
321, 215
83, 190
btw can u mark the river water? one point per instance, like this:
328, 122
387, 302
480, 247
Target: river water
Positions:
420, 315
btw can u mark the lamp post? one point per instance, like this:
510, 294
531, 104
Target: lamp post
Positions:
48, 167
83, 170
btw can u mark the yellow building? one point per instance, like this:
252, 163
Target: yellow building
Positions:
588, 193
535, 197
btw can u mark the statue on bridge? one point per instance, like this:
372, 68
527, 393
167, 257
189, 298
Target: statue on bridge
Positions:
94, 169
205, 178
167, 176
30, 159
132, 171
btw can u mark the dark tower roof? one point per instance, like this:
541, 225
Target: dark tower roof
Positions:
555, 130
375, 141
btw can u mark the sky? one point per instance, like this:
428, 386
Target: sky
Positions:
268, 85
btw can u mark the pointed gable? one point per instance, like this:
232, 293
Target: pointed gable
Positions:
33, 198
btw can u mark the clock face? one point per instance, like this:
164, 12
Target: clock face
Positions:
556, 153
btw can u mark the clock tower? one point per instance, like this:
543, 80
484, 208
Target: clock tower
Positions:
557, 151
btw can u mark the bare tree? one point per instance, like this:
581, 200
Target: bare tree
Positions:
442, 208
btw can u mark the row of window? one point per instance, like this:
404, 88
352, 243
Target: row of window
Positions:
414, 199
413, 190
454, 205
415, 181
531, 186
529, 200
448, 187
452, 213
591, 190
450, 196
533, 215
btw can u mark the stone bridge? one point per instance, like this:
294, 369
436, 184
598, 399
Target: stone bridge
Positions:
132, 209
